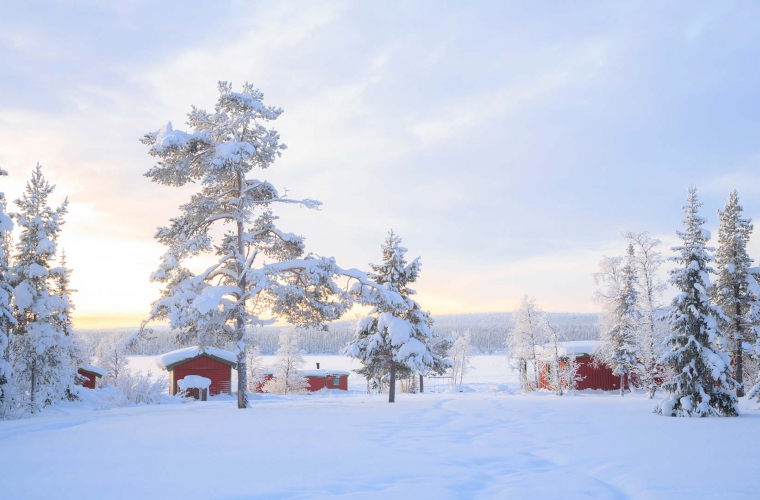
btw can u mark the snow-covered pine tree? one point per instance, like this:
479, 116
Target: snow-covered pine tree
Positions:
259, 269
400, 336
651, 333
618, 343
287, 378
7, 321
702, 385
732, 290
528, 332
460, 355
61, 276
45, 364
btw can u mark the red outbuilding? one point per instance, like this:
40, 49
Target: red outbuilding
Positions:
214, 364
595, 375
90, 374
317, 379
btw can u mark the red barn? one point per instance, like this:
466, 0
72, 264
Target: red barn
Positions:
595, 375
91, 373
214, 364
317, 379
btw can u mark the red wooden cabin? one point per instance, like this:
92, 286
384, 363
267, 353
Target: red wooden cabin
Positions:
214, 364
91, 373
317, 379
595, 375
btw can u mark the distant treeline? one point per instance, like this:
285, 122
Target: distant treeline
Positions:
488, 330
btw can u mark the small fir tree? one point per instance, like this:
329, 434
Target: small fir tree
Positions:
702, 384
732, 291
399, 335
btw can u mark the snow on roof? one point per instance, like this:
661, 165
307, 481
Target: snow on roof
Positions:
94, 369
322, 373
168, 360
575, 347
312, 373
193, 382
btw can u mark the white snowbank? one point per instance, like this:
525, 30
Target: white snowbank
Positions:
174, 357
194, 382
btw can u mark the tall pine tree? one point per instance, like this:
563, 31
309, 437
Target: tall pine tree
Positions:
6, 292
259, 270
702, 385
732, 290
398, 336
45, 354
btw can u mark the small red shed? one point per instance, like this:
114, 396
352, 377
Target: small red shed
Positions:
595, 375
317, 379
214, 364
91, 373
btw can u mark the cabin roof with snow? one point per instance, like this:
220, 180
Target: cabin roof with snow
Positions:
171, 359
579, 348
313, 373
95, 370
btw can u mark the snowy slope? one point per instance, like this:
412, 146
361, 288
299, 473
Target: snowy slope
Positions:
457, 445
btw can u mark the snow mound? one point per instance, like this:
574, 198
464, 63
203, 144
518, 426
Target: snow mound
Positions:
194, 382
174, 357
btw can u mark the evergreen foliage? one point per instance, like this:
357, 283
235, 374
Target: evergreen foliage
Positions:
44, 352
397, 339
734, 289
702, 384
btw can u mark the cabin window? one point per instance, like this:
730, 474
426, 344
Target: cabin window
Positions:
336, 381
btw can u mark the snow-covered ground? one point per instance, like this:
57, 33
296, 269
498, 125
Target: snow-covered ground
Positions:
481, 444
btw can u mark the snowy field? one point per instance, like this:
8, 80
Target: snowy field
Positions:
479, 444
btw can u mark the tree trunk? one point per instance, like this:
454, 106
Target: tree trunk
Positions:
739, 369
622, 384
32, 395
242, 348
392, 388
738, 353
422, 384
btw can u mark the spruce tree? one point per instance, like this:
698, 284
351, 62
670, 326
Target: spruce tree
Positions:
702, 385
398, 336
618, 343
732, 290
45, 354
6, 292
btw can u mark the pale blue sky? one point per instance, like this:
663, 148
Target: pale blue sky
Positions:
507, 142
